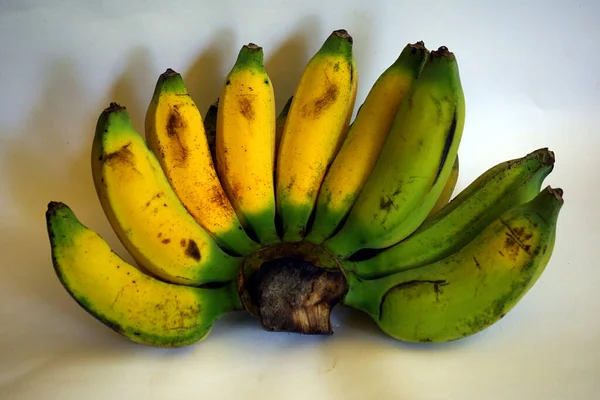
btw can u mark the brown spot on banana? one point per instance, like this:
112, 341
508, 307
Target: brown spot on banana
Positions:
246, 108
322, 103
192, 250
174, 126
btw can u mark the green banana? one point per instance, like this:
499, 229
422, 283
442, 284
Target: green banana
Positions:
497, 190
415, 162
471, 289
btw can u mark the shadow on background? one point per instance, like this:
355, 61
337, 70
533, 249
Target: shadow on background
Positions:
286, 63
204, 78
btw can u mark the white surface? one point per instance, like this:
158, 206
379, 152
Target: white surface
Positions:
530, 70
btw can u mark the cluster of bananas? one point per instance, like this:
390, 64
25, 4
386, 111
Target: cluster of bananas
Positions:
286, 216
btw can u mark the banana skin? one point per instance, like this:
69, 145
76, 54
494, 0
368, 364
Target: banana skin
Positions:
145, 212
448, 190
500, 188
314, 130
471, 289
176, 135
133, 304
245, 143
362, 146
415, 162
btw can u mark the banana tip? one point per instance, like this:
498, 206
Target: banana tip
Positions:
442, 51
170, 72
253, 46
557, 192
114, 107
342, 33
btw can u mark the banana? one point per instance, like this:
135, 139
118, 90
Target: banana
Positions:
245, 143
145, 212
175, 134
123, 298
280, 122
364, 142
415, 162
314, 130
471, 289
210, 127
446, 194
497, 190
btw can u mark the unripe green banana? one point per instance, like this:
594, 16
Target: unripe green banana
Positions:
471, 289
497, 190
415, 162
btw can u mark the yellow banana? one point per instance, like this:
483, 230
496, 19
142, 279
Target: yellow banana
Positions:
366, 137
314, 131
415, 162
145, 212
245, 143
139, 307
175, 133
446, 194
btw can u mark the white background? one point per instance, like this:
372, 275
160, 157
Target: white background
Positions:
530, 71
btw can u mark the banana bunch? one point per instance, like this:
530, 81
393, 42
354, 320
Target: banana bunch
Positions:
287, 215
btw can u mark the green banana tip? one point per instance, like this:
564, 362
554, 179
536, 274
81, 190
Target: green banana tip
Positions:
114, 107
343, 34
170, 73
556, 192
253, 47
55, 206
418, 46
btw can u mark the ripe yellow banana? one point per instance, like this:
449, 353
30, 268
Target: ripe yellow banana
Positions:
139, 307
145, 212
175, 133
446, 194
470, 290
366, 137
415, 162
314, 130
245, 143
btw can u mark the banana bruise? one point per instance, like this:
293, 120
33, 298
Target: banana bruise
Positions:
471, 289
144, 211
448, 190
497, 190
362, 146
415, 162
245, 143
139, 307
314, 130
176, 135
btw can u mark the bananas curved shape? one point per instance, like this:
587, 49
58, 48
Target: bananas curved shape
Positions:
415, 162
245, 143
471, 289
366, 137
145, 212
141, 308
175, 133
286, 216
314, 130
497, 190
